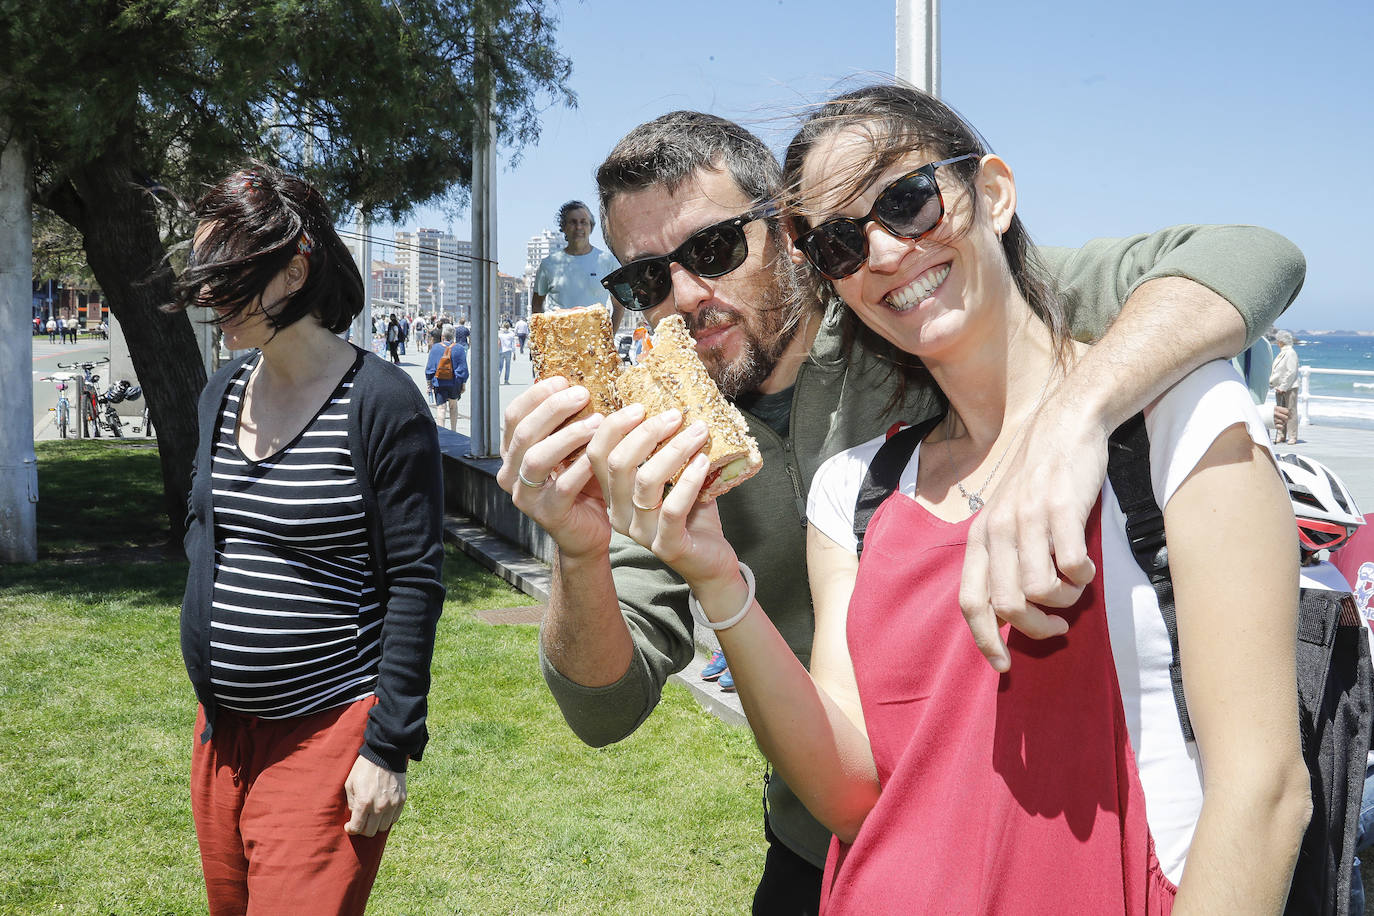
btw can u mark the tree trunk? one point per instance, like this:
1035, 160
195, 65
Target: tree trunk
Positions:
118, 222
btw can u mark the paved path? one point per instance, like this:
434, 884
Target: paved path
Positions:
521, 375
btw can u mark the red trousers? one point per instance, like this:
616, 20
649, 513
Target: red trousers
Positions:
268, 801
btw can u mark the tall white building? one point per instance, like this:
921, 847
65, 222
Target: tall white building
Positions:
537, 249
438, 270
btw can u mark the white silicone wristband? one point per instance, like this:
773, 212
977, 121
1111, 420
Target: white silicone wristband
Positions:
700, 616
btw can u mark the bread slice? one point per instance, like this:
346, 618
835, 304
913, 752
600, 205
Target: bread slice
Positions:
578, 344
671, 375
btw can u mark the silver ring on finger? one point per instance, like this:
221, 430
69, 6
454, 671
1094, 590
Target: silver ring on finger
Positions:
532, 484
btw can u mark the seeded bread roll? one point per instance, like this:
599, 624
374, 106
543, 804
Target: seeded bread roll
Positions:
671, 375
578, 344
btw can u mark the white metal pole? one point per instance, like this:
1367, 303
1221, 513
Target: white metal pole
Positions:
485, 431
362, 322
18, 463
918, 44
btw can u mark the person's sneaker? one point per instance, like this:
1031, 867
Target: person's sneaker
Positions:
715, 667
727, 682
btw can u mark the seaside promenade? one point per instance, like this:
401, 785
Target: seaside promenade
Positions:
481, 521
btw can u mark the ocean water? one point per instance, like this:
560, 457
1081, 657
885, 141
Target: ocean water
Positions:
1339, 351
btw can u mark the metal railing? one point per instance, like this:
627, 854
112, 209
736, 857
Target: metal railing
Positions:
1305, 395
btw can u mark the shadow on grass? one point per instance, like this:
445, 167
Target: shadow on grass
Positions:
99, 494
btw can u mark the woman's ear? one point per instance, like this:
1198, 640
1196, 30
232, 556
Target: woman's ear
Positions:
998, 189
296, 272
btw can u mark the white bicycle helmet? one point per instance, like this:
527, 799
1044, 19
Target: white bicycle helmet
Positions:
1326, 512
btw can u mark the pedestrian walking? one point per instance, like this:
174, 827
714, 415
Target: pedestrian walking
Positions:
522, 333
300, 562
52, 331
506, 338
446, 375
1283, 378
393, 339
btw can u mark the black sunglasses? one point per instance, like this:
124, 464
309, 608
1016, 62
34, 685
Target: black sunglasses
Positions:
710, 252
908, 208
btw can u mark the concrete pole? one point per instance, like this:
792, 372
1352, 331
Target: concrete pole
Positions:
18, 463
486, 402
918, 44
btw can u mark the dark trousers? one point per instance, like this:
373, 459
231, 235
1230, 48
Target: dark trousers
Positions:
790, 886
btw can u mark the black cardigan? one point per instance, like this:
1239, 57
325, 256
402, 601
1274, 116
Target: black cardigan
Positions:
395, 452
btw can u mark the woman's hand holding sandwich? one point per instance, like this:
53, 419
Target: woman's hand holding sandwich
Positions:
681, 530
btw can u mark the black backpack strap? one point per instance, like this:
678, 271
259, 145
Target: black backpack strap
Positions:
885, 473
1128, 468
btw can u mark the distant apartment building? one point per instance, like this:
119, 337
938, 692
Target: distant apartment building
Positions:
537, 249
513, 301
388, 281
438, 271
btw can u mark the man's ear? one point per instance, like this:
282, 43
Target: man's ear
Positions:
998, 189
791, 230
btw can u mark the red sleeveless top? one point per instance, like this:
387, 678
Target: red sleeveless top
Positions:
1001, 794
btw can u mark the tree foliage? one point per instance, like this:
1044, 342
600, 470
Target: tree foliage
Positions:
57, 252
131, 107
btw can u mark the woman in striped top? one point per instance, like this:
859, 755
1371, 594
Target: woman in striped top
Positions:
314, 539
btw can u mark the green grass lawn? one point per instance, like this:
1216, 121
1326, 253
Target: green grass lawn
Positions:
508, 812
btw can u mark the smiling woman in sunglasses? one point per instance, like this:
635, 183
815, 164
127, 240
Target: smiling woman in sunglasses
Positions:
1062, 780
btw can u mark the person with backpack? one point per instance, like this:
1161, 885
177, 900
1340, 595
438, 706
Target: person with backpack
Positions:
446, 374
1337, 556
1060, 776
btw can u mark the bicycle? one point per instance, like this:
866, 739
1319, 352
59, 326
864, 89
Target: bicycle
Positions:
91, 417
63, 409
118, 393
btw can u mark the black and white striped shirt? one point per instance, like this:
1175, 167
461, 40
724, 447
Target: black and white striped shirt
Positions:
296, 620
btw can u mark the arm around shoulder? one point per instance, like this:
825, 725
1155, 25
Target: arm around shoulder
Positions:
1257, 271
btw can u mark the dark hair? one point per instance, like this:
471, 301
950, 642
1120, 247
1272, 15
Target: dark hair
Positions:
897, 120
570, 206
259, 218
672, 148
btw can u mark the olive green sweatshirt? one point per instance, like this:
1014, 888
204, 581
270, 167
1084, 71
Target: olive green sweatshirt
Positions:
837, 403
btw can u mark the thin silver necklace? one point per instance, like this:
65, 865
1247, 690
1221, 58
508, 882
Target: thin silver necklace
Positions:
975, 499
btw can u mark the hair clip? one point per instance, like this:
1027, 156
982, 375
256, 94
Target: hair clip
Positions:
252, 181
304, 245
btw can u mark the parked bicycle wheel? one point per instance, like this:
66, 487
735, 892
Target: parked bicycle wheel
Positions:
62, 419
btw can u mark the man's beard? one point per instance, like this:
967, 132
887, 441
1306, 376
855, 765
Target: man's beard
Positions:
767, 333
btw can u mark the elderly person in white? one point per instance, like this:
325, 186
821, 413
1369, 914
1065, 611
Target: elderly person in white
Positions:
1283, 378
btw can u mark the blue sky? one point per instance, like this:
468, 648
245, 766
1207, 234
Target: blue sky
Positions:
1117, 118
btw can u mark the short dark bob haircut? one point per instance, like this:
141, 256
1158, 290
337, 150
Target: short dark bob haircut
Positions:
260, 218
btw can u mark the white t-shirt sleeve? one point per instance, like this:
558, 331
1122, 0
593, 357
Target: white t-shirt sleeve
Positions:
1185, 421
543, 277
834, 490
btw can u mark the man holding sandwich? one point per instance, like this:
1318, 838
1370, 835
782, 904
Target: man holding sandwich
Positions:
684, 202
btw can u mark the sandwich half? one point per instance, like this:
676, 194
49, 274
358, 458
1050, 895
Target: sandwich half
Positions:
578, 344
671, 375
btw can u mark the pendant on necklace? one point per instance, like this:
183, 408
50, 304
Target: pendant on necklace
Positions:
975, 502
